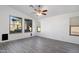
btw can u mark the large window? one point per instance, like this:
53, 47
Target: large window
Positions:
28, 25
15, 24
74, 26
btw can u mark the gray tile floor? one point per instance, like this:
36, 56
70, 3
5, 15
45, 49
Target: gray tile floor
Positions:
38, 45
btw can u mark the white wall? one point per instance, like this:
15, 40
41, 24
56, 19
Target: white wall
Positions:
57, 27
5, 11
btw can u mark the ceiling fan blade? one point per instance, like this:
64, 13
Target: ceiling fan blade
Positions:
35, 9
44, 10
43, 13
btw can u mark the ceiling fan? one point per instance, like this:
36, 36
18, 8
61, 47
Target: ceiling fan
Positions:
39, 10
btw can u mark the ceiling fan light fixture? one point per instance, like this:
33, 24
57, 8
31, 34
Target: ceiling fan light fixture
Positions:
39, 10
38, 14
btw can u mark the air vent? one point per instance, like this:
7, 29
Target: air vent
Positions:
4, 37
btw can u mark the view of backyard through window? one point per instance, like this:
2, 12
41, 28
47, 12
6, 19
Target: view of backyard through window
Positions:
15, 24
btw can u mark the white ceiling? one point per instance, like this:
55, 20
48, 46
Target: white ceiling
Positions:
52, 9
